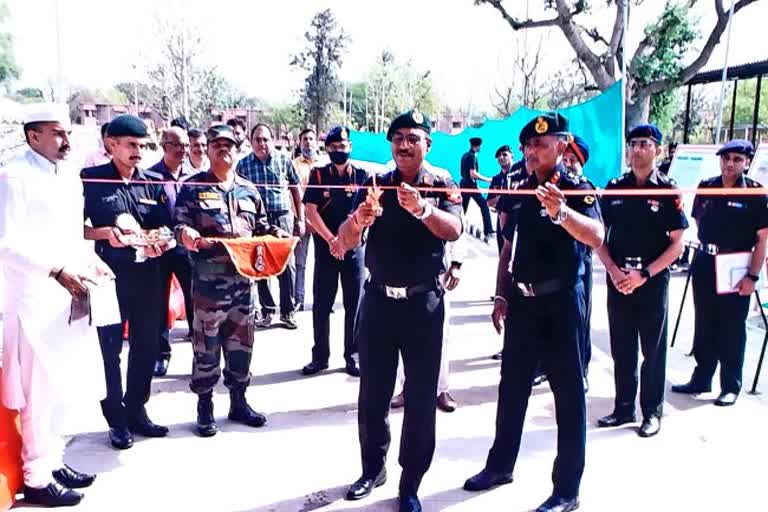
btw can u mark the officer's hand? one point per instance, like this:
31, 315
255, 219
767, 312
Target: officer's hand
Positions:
473, 174
634, 280
282, 234
300, 227
452, 277
73, 282
336, 248
153, 251
619, 278
117, 239
410, 199
366, 214
101, 269
190, 239
499, 314
746, 286
551, 198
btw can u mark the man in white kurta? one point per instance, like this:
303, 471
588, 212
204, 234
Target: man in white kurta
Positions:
48, 363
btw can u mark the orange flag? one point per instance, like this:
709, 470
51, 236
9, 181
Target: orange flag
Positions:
259, 257
11, 478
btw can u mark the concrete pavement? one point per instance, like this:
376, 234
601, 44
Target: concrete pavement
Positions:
705, 458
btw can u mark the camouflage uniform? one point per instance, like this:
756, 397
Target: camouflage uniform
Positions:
224, 300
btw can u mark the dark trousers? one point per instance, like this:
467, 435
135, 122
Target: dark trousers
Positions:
300, 253
286, 280
720, 329
328, 270
499, 238
543, 329
413, 327
179, 264
586, 339
140, 296
643, 315
481, 202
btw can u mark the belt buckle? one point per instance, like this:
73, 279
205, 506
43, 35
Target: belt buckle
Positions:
526, 289
710, 249
396, 292
633, 263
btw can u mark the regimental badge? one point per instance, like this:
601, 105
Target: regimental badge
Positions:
589, 199
344, 135
543, 212
417, 117
259, 264
654, 205
541, 126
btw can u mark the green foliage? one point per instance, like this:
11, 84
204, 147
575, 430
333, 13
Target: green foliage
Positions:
83, 95
321, 59
745, 102
9, 70
29, 95
663, 109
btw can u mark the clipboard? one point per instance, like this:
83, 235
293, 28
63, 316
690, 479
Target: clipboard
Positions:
730, 268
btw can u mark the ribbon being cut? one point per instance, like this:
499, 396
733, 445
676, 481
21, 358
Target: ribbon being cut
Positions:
259, 257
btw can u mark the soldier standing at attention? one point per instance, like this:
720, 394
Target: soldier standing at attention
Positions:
230, 207
401, 310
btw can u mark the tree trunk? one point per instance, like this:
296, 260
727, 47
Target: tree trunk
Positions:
638, 111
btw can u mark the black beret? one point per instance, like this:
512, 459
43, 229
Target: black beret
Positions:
126, 125
411, 119
550, 123
737, 146
221, 131
476, 141
337, 134
580, 148
502, 149
645, 130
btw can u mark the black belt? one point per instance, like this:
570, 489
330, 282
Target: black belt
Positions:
403, 292
713, 249
634, 262
539, 288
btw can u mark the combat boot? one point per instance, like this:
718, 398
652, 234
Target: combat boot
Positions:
241, 412
206, 423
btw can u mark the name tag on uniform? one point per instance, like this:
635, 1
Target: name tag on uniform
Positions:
150, 202
736, 204
617, 202
206, 196
246, 205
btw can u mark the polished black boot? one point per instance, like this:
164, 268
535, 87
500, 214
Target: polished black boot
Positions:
206, 423
241, 412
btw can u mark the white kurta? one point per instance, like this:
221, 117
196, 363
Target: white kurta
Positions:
41, 227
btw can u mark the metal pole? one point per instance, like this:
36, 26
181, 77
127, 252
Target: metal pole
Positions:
682, 301
725, 75
753, 391
624, 87
59, 72
731, 134
756, 114
687, 124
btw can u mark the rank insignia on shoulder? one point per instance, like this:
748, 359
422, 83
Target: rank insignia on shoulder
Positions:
204, 196
589, 199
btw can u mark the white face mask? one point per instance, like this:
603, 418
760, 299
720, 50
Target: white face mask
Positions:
309, 153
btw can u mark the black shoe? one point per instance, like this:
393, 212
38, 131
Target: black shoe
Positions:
690, 388
615, 420
289, 322
120, 438
365, 485
161, 368
726, 399
538, 380
206, 423
314, 367
352, 369
72, 479
264, 321
559, 504
241, 412
650, 427
52, 495
496, 356
486, 479
142, 425
409, 503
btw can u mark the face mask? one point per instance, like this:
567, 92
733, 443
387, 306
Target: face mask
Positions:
309, 153
338, 157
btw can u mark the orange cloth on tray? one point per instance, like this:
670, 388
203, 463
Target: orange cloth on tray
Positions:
11, 476
259, 257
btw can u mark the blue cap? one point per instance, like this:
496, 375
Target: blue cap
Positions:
647, 131
737, 146
126, 125
337, 134
502, 149
551, 123
411, 119
580, 148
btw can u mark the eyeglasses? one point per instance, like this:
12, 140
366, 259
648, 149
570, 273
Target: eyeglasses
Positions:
411, 139
640, 144
176, 145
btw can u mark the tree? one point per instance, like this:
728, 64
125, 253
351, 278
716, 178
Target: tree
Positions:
321, 59
8, 68
656, 69
81, 95
29, 95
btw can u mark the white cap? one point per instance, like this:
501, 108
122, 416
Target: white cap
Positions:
47, 112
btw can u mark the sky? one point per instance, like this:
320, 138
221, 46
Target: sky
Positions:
468, 48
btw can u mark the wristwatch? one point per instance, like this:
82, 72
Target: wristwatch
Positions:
456, 264
645, 273
560, 217
753, 277
428, 209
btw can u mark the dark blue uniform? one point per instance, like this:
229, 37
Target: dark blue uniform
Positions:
334, 206
726, 224
637, 233
505, 181
544, 325
139, 289
469, 161
401, 310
